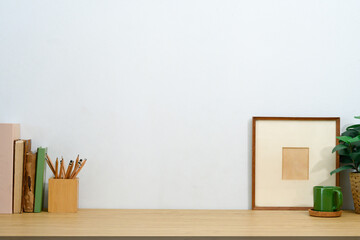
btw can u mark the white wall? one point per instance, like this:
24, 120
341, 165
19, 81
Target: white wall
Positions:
159, 95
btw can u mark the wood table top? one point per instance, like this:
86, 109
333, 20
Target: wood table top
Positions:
136, 222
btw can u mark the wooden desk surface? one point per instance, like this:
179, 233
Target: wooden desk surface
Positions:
107, 222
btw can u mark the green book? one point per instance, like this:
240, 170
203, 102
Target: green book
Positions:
39, 179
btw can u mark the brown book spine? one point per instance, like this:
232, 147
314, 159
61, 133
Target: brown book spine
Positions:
29, 183
27, 149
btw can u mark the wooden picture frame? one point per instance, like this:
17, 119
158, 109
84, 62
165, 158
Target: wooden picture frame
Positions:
275, 190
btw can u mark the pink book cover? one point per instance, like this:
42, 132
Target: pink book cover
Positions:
8, 134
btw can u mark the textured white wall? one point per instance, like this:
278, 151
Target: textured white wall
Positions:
159, 95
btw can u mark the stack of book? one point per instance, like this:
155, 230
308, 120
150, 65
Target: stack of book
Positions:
21, 172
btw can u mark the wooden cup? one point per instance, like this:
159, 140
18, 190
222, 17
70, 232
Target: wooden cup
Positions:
63, 195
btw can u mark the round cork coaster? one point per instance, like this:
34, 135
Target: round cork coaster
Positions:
324, 214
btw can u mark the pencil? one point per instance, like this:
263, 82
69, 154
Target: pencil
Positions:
77, 172
76, 165
56, 168
62, 168
77, 161
51, 165
76, 168
69, 168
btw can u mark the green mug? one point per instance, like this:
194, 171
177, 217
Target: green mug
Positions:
327, 198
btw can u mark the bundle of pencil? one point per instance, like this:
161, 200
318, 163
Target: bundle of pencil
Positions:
72, 170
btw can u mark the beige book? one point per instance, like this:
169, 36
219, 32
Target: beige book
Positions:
8, 134
18, 175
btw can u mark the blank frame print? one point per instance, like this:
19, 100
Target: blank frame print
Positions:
295, 163
290, 156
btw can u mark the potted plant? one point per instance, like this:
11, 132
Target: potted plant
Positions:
349, 151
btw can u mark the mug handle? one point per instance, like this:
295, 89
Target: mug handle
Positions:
339, 198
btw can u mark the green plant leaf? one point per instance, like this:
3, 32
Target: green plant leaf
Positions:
355, 144
351, 133
345, 159
355, 156
357, 117
344, 152
355, 139
355, 126
356, 129
339, 147
342, 168
344, 138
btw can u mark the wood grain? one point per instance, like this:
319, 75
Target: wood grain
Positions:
110, 222
337, 154
325, 214
63, 195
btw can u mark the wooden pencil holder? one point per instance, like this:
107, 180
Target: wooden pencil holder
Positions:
63, 195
